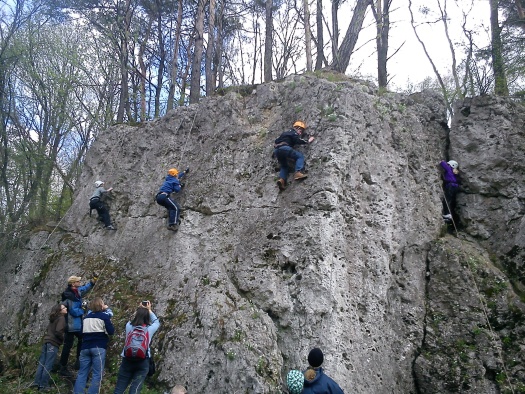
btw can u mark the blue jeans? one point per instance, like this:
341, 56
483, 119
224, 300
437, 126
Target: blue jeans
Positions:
132, 374
45, 363
90, 359
171, 205
284, 153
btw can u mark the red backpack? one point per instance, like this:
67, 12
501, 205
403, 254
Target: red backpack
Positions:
137, 343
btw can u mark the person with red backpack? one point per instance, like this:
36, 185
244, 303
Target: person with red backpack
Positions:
136, 353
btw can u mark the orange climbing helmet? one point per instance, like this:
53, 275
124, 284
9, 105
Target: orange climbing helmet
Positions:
173, 172
300, 124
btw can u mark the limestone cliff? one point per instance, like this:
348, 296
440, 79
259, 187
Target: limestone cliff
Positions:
355, 259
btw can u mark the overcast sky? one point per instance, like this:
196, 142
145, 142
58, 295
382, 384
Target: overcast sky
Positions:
410, 63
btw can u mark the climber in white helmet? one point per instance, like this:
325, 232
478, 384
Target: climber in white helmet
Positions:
450, 187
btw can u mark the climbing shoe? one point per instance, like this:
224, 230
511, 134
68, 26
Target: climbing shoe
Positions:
110, 227
281, 183
447, 217
299, 175
173, 227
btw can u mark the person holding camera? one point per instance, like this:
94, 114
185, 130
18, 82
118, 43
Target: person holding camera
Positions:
136, 353
72, 299
95, 337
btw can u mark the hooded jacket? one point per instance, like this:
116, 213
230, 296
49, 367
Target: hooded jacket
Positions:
321, 384
73, 301
55, 331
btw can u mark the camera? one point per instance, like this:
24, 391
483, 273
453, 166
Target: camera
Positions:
145, 303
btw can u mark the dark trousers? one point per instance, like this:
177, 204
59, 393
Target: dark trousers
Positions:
69, 339
102, 210
449, 204
172, 206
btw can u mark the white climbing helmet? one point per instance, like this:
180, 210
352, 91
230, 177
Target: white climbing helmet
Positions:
98, 183
452, 163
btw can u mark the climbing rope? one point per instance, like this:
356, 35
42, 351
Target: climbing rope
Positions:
482, 301
493, 334
448, 207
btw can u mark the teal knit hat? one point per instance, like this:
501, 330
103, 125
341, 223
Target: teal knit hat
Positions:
295, 381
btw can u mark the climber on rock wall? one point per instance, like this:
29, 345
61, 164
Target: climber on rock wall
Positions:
451, 187
283, 150
171, 184
97, 201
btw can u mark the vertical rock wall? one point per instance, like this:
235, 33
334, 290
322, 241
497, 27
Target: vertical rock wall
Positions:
255, 278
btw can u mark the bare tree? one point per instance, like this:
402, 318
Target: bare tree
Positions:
268, 42
195, 84
344, 52
320, 37
500, 80
210, 49
175, 57
381, 11
307, 36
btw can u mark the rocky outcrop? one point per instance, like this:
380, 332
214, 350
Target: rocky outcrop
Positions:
354, 259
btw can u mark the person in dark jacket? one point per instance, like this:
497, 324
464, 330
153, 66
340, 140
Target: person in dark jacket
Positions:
97, 201
72, 298
95, 336
283, 150
451, 187
315, 380
53, 338
171, 184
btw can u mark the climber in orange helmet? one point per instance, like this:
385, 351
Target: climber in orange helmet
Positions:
283, 150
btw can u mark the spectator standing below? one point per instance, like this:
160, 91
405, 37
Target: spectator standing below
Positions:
450, 187
315, 380
171, 184
133, 370
97, 201
72, 299
295, 382
283, 150
95, 336
53, 338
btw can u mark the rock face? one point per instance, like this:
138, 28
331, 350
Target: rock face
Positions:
353, 260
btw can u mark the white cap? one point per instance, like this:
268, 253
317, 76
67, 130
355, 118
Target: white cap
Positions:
98, 183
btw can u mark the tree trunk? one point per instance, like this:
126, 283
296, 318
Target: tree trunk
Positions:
320, 39
500, 80
382, 17
124, 105
307, 36
174, 61
268, 44
195, 83
335, 29
342, 59
210, 80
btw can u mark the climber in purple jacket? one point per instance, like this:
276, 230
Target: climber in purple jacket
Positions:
450, 186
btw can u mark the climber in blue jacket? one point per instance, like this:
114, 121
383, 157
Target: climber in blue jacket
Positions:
72, 299
171, 184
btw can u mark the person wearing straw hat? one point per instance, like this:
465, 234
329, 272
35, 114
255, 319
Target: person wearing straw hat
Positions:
72, 299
